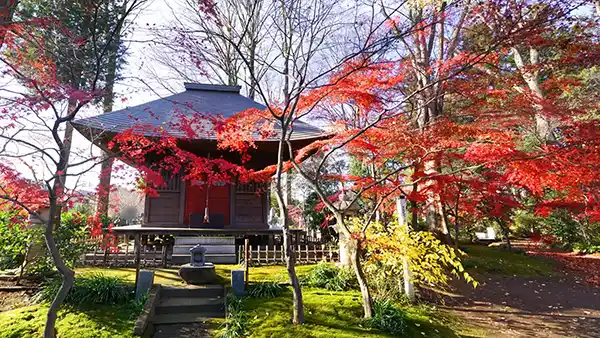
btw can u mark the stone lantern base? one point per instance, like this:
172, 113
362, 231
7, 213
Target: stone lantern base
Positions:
198, 274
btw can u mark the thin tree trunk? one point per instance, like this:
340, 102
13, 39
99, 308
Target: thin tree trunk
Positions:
356, 251
446, 221
67, 142
298, 314
506, 237
68, 275
456, 233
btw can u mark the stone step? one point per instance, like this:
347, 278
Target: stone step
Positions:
190, 305
207, 291
193, 240
179, 259
184, 318
210, 249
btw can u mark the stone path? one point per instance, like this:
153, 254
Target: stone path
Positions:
184, 312
193, 330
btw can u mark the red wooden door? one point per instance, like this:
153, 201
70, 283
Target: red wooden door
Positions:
218, 200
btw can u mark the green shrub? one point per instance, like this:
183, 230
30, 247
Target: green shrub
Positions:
70, 239
586, 248
330, 277
564, 227
15, 235
388, 318
90, 289
236, 322
136, 306
526, 223
265, 290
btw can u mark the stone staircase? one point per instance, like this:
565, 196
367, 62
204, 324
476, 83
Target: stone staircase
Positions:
189, 305
219, 250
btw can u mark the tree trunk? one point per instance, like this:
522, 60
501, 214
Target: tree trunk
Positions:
104, 185
290, 265
344, 245
67, 142
506, 237
356, 251
68, 275
108, 102
456, 233
434, 216
298, 315
544, 125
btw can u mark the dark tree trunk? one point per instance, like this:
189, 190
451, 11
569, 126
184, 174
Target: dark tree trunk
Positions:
108, 102
506, 235
456, 233
68, 275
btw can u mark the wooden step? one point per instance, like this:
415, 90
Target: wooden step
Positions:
191, 305
204, 240
210, 249
184, 318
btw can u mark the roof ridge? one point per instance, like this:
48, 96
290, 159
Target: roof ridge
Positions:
211, 87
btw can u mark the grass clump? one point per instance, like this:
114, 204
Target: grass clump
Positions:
388, 318
90, 289
265, 290
330, 277
236, 323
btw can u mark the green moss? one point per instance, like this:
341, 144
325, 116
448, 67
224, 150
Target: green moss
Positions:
169, 276
334, 314
486, 260
102, 321
161, 276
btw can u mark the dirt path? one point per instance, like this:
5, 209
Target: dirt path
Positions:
566, 305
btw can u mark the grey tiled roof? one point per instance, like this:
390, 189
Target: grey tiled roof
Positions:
197, 98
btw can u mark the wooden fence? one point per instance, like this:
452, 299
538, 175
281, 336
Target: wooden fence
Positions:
124, 256
122, 253
305, 254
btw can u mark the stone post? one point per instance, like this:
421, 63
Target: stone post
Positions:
409, 289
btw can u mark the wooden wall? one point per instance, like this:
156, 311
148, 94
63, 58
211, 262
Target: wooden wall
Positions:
244, 206
250, 207
164, 208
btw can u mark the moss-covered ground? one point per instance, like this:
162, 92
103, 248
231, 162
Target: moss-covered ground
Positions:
328, 314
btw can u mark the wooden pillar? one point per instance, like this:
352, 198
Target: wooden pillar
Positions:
126, 250
136, 249
271, 240
246, 260
164, 255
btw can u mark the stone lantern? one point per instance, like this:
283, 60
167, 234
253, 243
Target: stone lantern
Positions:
198, 271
